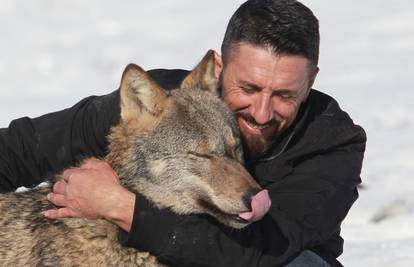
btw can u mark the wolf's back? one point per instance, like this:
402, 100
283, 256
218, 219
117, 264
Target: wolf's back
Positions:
28, 238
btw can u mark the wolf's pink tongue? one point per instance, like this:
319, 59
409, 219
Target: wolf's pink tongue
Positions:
260, 206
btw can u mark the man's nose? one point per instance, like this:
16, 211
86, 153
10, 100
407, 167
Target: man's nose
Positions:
263, 111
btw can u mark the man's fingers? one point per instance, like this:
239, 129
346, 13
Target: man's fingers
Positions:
67, 173
60, 213
60, 187
94, 164
57, 199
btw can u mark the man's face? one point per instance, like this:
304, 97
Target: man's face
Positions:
265, 90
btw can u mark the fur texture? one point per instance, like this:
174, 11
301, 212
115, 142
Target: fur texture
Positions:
180, 149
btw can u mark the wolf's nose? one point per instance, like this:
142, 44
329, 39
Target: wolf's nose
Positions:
247, 198
260, 205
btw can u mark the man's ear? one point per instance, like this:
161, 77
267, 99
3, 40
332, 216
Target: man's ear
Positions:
203, 75
312, 78
140, 95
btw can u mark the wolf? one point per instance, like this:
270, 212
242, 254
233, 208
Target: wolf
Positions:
181, 149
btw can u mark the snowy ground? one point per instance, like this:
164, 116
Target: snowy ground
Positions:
56, 52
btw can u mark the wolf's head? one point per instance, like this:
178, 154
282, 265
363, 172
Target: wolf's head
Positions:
181, 149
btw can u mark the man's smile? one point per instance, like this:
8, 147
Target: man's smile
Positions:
251, 128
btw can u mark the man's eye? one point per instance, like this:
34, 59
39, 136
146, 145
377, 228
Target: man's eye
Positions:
247, 90
286, 96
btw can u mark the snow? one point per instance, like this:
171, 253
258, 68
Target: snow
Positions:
54, 53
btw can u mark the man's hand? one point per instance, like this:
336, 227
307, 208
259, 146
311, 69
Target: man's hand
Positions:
92, 191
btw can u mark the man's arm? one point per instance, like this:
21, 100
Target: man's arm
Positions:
187, 240
307, 208
33, 149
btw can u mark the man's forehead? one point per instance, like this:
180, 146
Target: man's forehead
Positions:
242, 50
260, 72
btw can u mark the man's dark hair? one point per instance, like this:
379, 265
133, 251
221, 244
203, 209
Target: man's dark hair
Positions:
284, 26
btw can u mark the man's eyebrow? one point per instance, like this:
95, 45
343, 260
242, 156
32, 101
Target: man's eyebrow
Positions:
251, 86
286, 91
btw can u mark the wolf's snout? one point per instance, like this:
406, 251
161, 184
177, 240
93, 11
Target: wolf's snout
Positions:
259, 205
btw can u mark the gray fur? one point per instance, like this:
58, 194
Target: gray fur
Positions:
182, 151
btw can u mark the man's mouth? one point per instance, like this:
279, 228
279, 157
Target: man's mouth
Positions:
257, 126
250, 127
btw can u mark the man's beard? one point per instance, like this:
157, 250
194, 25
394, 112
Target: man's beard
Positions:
255, 145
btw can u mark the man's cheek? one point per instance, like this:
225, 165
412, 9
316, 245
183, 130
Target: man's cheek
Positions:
236, 100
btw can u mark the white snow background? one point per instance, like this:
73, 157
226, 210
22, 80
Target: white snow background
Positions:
54, 53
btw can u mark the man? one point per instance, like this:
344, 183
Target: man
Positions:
299, 145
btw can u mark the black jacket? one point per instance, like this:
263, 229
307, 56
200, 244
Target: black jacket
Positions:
312, 173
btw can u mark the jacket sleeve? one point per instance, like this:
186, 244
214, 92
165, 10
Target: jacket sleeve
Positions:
308, 206
33, 149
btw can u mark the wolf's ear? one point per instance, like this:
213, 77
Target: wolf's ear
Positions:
203, 75
140, 94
